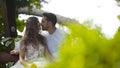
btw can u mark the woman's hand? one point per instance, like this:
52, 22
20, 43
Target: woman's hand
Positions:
15, 52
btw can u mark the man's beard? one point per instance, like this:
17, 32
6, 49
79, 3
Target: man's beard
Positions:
44, 28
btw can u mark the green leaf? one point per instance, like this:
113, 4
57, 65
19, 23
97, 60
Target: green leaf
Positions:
38, 7
118, 17
6, 39
37, 4
20, 25
8, 43
1, 34
20, 28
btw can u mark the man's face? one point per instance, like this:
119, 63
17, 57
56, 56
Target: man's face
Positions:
44, 23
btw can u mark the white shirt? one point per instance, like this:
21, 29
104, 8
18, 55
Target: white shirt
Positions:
54, 41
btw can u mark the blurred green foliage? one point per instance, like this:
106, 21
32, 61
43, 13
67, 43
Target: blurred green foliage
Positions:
118, 17
87, 47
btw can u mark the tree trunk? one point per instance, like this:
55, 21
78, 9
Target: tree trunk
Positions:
8, 15
37, 12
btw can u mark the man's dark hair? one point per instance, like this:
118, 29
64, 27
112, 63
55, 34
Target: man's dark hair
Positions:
51, 17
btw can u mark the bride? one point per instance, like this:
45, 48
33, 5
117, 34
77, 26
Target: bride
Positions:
33, 47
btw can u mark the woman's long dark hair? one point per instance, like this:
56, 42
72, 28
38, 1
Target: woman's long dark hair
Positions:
32, 35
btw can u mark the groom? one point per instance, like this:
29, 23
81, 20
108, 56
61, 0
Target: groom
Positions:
55, 36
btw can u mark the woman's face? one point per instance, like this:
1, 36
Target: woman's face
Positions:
39, 26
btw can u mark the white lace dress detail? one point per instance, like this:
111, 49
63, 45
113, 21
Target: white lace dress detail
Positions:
33, 53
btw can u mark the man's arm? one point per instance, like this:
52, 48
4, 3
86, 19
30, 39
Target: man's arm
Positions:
6, 57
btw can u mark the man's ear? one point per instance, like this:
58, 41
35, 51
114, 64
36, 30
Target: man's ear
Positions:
50, 24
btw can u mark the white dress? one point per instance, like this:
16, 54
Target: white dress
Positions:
35, 56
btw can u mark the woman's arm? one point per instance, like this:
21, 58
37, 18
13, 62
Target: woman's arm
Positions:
22, 58
22, 55
48, 54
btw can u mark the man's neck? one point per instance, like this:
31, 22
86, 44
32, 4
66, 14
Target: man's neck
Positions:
51, 30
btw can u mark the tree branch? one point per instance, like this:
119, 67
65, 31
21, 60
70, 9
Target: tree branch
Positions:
38, 12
